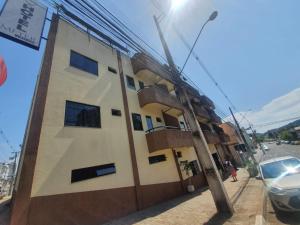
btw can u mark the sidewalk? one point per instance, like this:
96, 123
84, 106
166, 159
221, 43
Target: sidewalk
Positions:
197, 208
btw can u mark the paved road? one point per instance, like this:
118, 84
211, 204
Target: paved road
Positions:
272, 216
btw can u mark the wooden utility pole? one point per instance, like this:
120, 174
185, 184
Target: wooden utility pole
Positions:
213, 177
14, 166
243, 137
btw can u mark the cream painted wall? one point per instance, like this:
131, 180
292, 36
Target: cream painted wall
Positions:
63, 149
161, 172
190, 155
212, 148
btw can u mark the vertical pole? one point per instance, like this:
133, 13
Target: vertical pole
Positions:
213, 178
164, 43
13, 174
243, 137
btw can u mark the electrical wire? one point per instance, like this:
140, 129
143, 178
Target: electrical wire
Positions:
110, 23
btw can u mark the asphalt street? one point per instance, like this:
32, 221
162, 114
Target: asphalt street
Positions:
273, 216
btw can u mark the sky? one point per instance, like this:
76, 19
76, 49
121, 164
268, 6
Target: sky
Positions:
251, 48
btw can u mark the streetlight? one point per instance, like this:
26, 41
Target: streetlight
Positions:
210, 18
213, 178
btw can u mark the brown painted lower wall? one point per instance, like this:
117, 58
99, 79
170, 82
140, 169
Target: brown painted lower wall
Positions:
156, 193
97, 207
83, 208
198, 181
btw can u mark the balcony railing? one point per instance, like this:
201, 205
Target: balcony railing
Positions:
203, 100
166, 137
159, 95
211, 138
144, 65
201, 113
214, 117
224, 138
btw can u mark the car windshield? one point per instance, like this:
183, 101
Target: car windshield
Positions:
280, 168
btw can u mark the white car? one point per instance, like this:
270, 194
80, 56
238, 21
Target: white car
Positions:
281, 177
265, 147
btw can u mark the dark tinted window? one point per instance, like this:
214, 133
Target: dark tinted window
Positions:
82, 115
83, 63
179, 154
92, 172
280, 168
149, 122
141, 84
116, 112
195, 167
157, 159
130, 82
182, 125
158, 119
137, 121
110, 69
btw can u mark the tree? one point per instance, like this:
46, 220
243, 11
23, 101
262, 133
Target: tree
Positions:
286, 135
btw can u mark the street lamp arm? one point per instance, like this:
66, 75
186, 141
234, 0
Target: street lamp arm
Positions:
193, 46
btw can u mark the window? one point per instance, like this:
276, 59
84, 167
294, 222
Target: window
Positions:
195, 167
92, 172
130, 82
83, 63
149, 122
141, 84
82, 115
110, 69
116, 112
179, 154
157, 159
137, 121
158, 119
182, 125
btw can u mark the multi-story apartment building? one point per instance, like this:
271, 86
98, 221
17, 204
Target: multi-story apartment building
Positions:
6, 176
235, 144
106, 134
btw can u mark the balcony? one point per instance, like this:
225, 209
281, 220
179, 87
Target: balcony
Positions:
211, 138
224, 138
147, 68
165, 137
157, 96
201, 113
203, 100
215, 118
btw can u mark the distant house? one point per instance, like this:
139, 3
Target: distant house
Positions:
297, 132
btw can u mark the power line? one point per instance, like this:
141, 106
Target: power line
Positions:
275, 122
110, 24
158, 6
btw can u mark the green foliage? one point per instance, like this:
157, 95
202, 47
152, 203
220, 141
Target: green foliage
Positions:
286, 135
187, 166
251, 168
260, 139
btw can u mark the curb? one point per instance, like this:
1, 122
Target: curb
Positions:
261, 211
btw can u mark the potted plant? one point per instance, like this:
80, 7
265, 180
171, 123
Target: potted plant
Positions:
252, 170
187, 167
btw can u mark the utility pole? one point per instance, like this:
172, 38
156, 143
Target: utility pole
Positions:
243, 137
212, 175
12, 179
256, 140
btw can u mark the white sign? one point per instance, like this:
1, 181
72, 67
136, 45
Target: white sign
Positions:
23, 21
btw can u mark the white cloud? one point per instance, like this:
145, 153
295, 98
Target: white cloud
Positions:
281, 108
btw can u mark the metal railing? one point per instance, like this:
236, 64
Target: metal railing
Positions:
165, 128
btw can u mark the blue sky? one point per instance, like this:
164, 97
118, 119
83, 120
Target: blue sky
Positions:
252, 49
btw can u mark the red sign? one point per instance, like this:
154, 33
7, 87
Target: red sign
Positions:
3, 71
